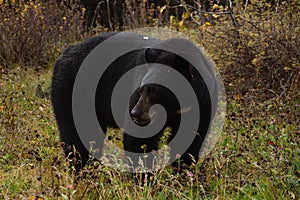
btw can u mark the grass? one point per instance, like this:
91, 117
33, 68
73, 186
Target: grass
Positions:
257, 155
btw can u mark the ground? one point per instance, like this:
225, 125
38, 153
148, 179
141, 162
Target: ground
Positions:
257, 155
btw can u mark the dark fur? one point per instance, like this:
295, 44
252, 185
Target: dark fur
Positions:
64, 74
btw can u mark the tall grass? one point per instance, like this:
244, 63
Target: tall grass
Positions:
257, 155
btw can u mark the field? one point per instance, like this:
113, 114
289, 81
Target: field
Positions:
257, 155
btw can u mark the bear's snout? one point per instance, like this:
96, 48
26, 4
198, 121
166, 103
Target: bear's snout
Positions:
140, 112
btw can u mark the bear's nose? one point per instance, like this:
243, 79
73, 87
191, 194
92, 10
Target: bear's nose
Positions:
140, 117
136, 113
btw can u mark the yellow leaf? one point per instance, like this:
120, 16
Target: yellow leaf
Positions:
250, 43
207, 23
237, 97
215, 15
162, 9
186, 15
206, 15
215, 6
180, 25
254, 61
172, 17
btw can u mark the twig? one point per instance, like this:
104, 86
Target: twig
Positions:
230, 12
232, 15
194, 20
284, 87
108, 13
95, 13
246, 5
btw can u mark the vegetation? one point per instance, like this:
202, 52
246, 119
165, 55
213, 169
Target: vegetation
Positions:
256, 49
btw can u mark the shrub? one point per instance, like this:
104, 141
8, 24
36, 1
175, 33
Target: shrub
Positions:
33, 33
259, 56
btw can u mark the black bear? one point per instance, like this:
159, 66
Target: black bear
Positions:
143, 98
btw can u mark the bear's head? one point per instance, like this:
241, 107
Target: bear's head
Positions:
149, 94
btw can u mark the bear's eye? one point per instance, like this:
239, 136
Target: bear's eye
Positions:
139, 91
154, 91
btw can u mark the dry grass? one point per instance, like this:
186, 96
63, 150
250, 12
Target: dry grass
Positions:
258, 152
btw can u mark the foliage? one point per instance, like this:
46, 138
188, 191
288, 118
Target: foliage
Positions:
257, 155
33, 33
260, 53
268, 48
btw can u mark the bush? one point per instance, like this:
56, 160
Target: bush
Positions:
269, 44
33, 33
259, 56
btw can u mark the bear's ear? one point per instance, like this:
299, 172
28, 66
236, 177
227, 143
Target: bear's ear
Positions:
153, 55
170, 59
183, 67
